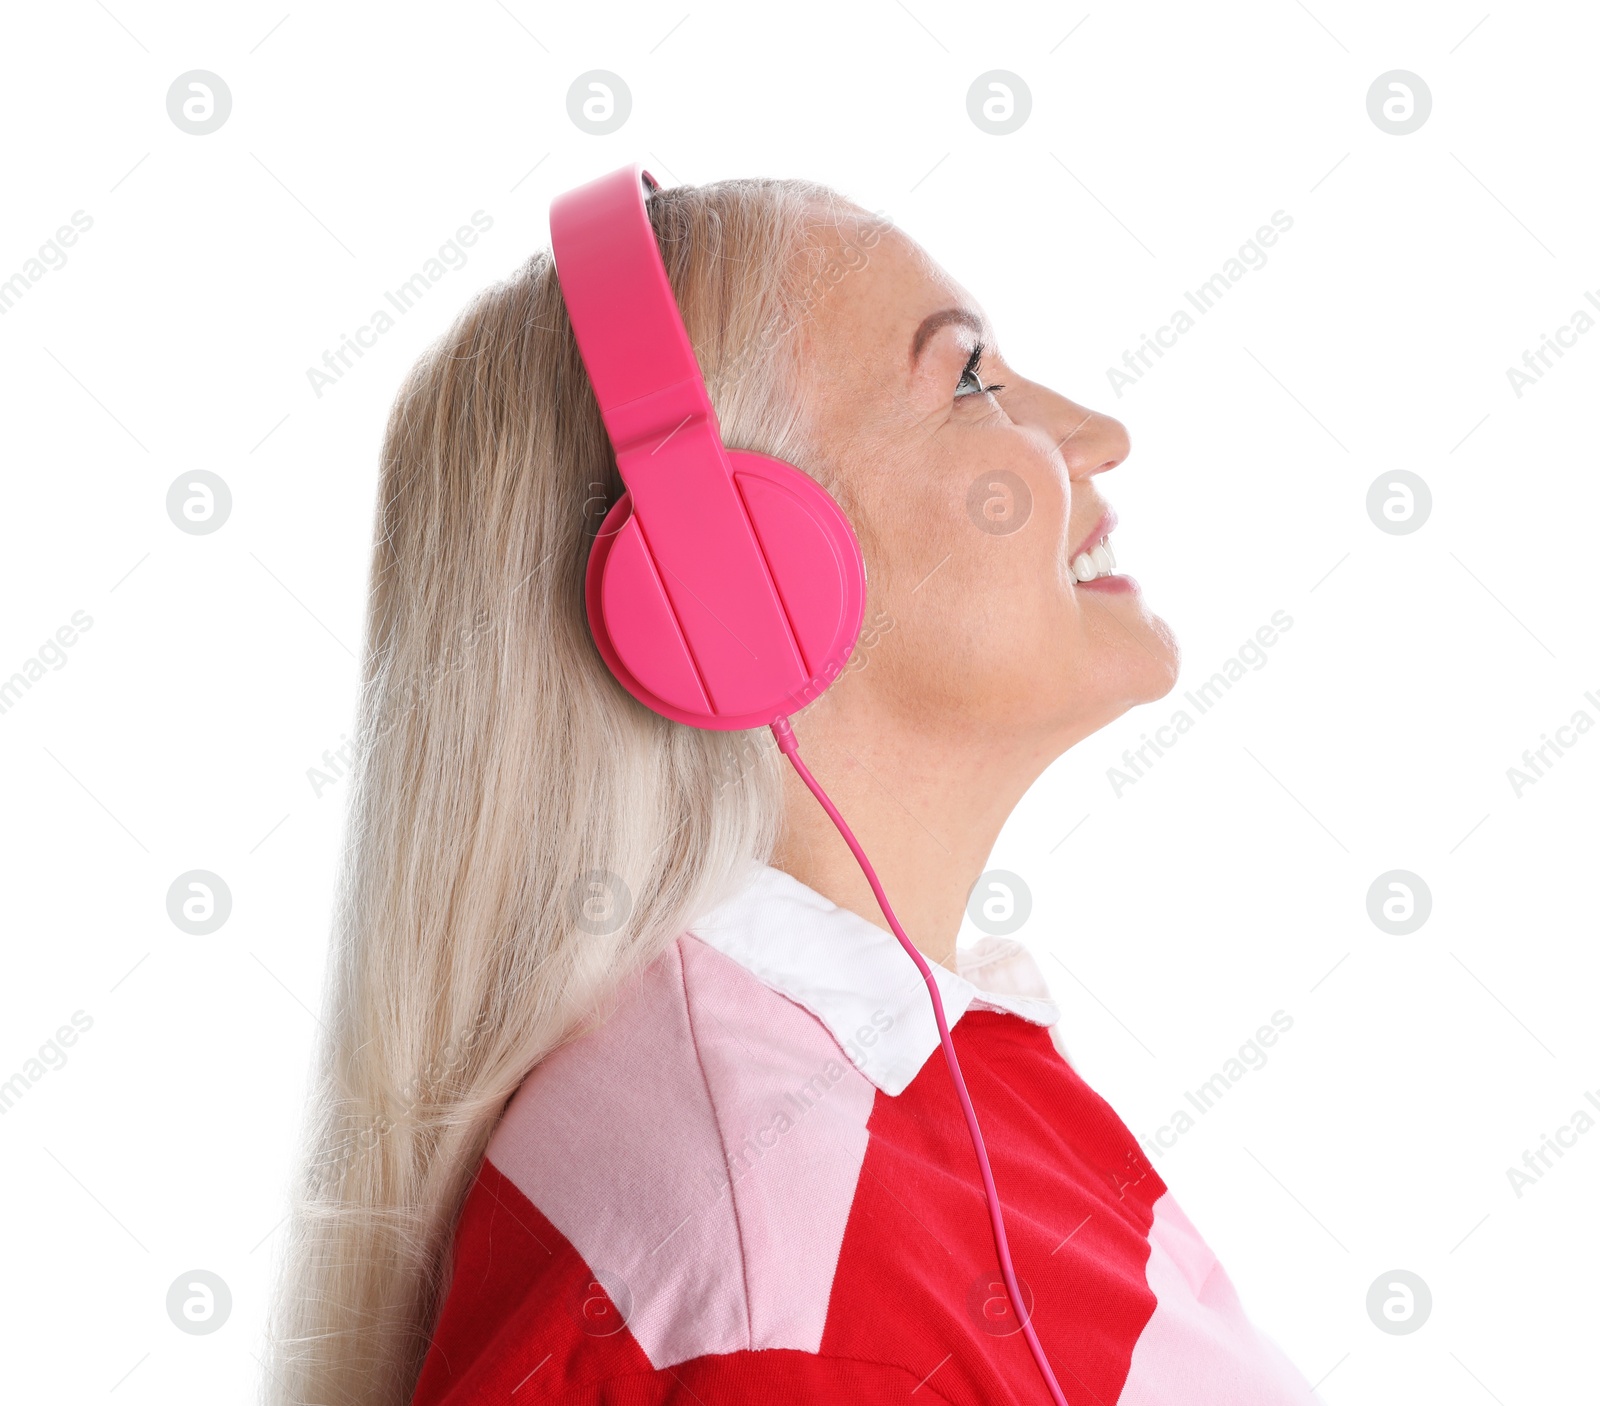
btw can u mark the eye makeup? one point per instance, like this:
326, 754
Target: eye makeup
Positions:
971, 383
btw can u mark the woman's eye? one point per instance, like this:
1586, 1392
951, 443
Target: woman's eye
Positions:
971, 382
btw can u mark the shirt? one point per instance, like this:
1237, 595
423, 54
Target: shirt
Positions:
753, 1183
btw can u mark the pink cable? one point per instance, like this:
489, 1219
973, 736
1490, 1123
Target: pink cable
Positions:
790, 747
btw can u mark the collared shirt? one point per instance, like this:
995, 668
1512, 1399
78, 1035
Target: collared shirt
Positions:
846, 971
752, 1183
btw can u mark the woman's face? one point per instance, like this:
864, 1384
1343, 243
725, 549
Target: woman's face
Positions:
979, 511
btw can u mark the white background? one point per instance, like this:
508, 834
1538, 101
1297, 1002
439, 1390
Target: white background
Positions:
1228, 883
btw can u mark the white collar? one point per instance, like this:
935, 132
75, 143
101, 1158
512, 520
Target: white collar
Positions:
857, 979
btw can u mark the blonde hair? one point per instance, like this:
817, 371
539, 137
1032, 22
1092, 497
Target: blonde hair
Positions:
523, 835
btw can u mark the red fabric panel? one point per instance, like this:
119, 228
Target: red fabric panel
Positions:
918, 1277
523, 1317
776, 1377
522, 1314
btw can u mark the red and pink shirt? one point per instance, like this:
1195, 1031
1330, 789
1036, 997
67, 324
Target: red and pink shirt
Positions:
753, 1183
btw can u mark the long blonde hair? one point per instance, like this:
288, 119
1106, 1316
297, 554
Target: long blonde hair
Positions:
523, 835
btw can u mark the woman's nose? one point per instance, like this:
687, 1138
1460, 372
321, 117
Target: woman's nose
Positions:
1090, 442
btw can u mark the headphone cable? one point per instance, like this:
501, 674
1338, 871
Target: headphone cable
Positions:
790, 747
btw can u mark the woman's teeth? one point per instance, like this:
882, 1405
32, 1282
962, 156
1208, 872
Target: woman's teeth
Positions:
1099, 562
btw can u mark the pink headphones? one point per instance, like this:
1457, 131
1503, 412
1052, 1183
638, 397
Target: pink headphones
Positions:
725, 589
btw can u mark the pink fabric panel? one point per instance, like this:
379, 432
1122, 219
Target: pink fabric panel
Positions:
1198, 1347
793, 1113
654, 1145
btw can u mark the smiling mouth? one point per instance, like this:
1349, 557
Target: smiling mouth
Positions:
1095, 563
1094, 557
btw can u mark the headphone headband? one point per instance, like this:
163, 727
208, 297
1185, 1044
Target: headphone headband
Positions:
622, 310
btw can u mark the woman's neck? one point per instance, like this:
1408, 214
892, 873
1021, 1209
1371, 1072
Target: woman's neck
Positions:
927, 810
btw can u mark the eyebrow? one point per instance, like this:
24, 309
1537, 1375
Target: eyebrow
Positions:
943, 318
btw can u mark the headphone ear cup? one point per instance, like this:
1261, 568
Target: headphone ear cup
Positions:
813, 555
815, 562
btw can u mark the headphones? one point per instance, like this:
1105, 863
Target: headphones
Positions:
725, 589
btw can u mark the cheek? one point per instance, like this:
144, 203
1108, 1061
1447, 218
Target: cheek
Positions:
968, 591
994, 616
1016, 551
914, 526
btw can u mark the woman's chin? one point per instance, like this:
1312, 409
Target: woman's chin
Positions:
1144, 651
1166, 658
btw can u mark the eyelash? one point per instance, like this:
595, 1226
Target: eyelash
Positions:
974, 363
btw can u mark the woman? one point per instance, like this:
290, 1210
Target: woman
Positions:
627, 1094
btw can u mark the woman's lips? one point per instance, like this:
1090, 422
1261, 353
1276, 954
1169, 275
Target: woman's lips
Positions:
1093, 564
1098, 533
1112, 585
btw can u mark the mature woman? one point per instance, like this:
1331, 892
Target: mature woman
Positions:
629, 1093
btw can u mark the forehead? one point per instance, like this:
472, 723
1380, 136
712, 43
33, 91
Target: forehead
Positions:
889, 285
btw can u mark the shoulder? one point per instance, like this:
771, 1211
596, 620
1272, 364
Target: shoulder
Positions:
710, 1122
